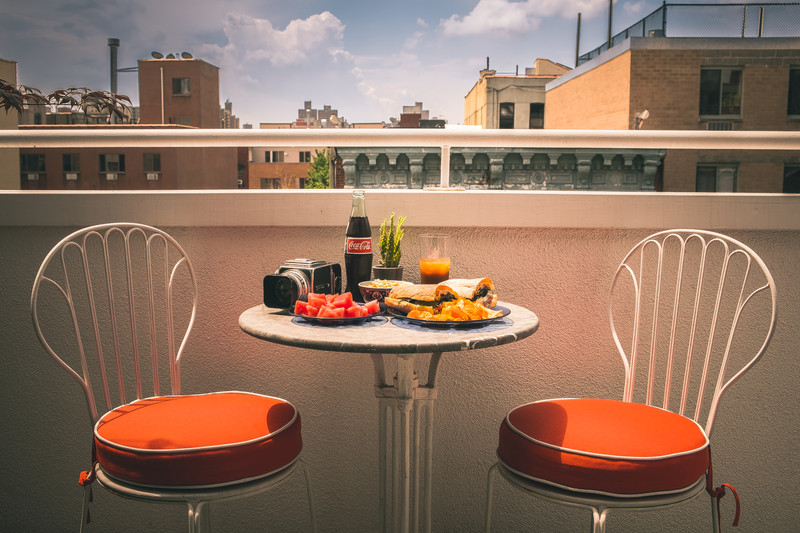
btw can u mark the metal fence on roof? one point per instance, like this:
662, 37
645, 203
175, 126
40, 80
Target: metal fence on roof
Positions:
711, 20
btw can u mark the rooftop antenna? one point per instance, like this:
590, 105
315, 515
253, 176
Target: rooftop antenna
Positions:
578, 42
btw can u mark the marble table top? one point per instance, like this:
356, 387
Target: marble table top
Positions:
386, 334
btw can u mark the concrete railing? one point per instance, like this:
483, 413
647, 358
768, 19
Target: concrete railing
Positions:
460, 136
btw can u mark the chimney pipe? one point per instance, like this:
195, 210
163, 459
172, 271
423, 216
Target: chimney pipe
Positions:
113, 44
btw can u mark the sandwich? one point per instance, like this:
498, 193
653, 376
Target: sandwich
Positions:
407, 298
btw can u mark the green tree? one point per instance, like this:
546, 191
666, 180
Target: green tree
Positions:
319, 171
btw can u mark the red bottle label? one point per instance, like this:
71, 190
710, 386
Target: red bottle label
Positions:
358, 245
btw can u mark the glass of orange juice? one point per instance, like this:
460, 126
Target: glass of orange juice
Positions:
434, 262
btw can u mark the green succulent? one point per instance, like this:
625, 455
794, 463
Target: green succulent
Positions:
391, 236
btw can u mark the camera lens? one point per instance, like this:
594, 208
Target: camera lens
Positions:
282, 290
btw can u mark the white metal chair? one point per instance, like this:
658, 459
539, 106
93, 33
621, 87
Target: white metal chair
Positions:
115, 300
677, 305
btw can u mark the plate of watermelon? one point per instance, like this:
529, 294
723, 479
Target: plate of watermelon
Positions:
335, 309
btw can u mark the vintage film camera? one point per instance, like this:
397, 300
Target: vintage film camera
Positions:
297, 277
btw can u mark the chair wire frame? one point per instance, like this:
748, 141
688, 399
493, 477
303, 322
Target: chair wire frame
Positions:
676, 302
95, 279
117, 319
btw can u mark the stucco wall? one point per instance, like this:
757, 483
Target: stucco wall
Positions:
563, 274
9, 159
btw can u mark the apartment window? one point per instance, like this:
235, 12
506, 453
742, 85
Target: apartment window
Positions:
305, 157
507, 116
270, 183
537, 117
180, 86
31, 166
716, 178
277, 157
266, 156
112, 163
71, 165
794, 92
720, 92
791, 179
152, 162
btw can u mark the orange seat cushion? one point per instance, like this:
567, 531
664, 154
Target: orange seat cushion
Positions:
198, 440
604, 446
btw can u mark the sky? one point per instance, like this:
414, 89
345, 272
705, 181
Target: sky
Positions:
365, 58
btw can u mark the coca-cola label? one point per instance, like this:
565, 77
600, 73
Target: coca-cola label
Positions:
358, 245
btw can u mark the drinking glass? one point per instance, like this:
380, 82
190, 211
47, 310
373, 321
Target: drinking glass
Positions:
434, 262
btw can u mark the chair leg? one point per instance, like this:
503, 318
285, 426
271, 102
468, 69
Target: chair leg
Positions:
489, 496
715, 514
199, 517
85, 511
599, 516
302, 465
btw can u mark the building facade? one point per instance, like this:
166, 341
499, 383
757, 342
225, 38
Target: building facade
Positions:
502, 168
667, 83
173, 93
511, 101
179, 91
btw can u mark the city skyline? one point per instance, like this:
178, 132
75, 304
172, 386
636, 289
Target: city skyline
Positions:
367, 60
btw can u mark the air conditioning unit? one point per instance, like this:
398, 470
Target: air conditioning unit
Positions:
153, 176
71, 176
112, 176
719, 125
32, 176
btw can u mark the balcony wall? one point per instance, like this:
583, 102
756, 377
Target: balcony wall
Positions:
553, 252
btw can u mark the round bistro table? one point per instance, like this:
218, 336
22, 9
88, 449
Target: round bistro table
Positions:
403, 401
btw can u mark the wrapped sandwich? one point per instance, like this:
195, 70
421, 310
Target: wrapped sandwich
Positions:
407, 298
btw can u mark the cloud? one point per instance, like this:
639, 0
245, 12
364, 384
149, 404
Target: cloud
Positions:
253, 39
633, 8
386, 80
514, 17
414, 40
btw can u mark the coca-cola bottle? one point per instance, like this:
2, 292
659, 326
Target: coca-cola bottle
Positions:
358, 247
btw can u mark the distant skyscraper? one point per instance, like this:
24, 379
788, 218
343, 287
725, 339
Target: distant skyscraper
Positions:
227, 119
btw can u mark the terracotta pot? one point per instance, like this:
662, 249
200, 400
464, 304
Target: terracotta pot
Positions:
379, 272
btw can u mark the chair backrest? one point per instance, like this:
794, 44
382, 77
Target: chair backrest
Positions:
114, 304
690, 312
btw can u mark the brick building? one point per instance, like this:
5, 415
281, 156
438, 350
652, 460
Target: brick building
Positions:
736, 84
173, 93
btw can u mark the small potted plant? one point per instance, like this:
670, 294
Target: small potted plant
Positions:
391, 237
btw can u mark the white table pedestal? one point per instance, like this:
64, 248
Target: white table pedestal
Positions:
405, 423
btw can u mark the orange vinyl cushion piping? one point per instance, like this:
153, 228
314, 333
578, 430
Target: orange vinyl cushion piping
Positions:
605, 446
198, 440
